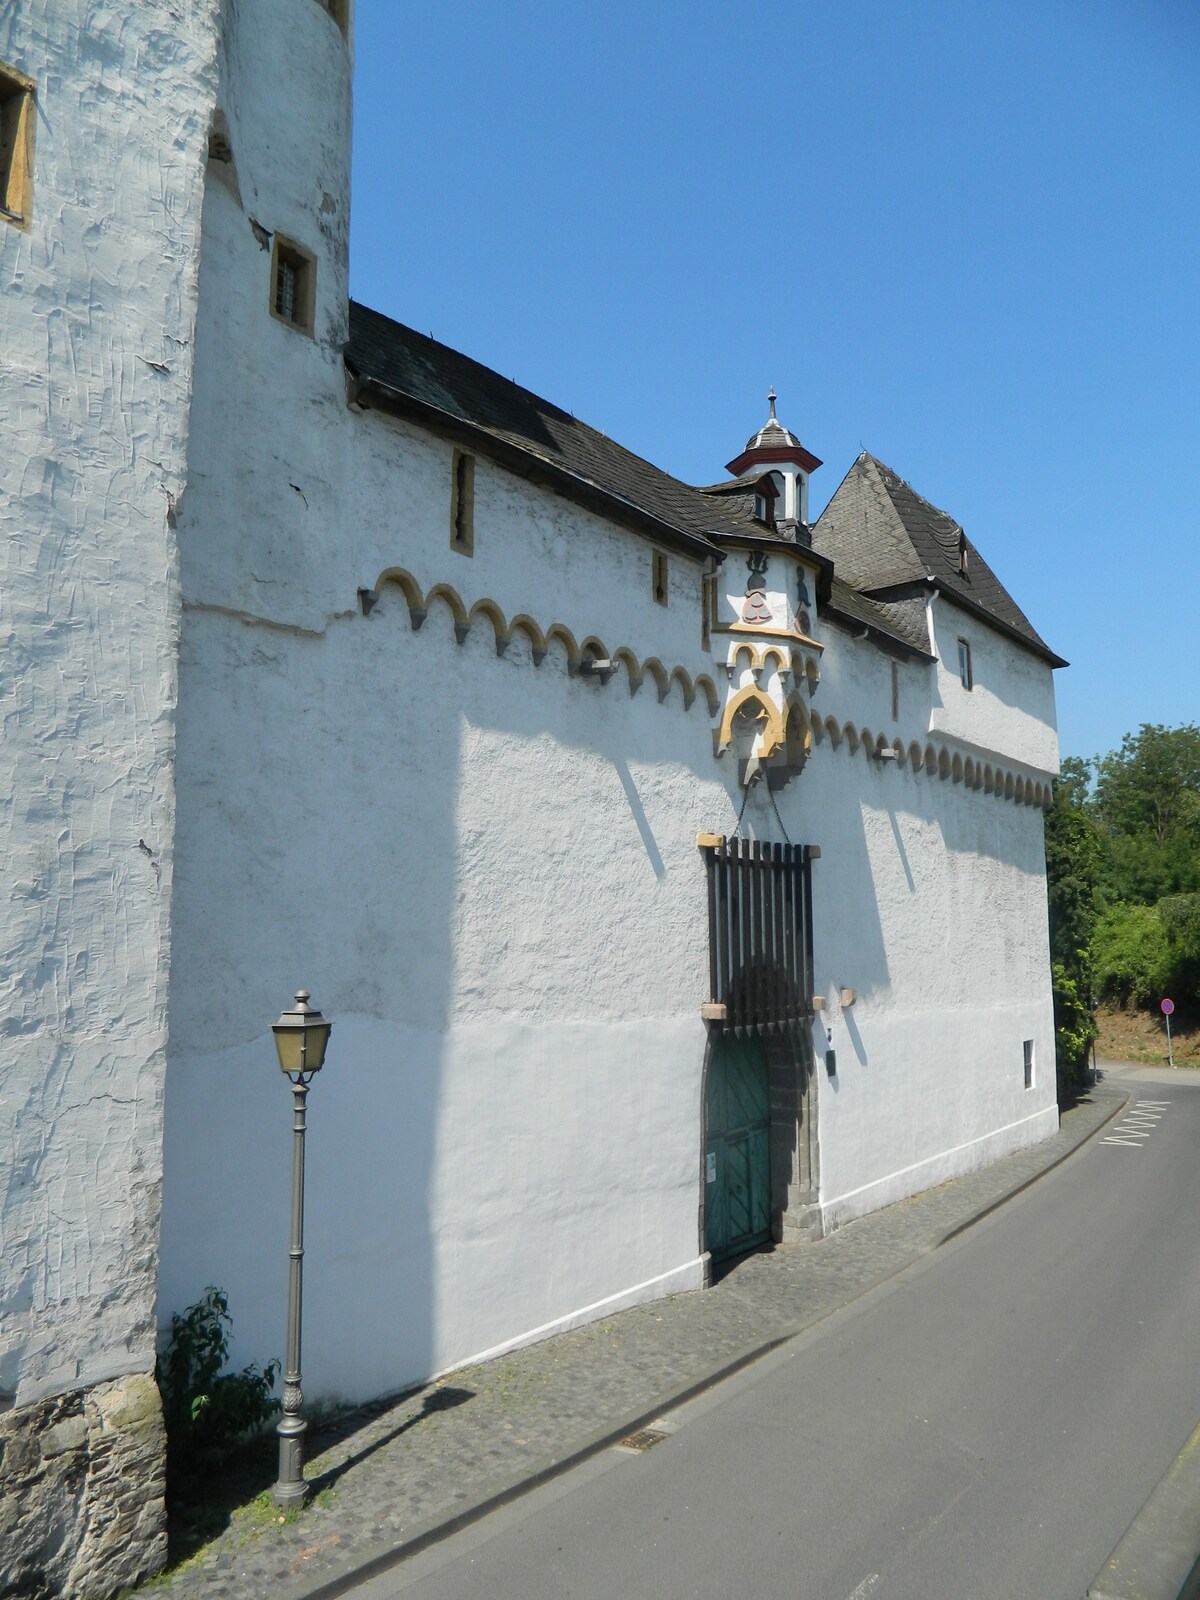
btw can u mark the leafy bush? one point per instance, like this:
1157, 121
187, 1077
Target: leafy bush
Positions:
208, 1413
1129, 954
1181, 923
1074, 1030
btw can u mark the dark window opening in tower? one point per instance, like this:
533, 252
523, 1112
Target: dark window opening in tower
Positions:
776, 502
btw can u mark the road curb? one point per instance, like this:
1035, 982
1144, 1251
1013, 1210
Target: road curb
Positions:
1020, 1188
1159, 1556
341, 1577
372, 1563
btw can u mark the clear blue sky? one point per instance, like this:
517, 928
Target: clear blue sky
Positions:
962, 234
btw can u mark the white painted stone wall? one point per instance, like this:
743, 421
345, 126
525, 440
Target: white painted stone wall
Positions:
929, 902
1010, 709
487, 874
490, 880
485, 869
97, 302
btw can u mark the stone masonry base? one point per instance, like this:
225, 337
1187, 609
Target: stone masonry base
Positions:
82, 1478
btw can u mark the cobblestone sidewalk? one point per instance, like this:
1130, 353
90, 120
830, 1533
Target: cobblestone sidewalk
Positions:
393, 1476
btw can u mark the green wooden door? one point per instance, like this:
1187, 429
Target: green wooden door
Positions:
737, 1162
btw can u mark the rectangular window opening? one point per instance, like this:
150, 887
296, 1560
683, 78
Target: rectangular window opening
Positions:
895, 692
16, 146
1029, 1063
462, 504
293, 284
659, 578
965, 676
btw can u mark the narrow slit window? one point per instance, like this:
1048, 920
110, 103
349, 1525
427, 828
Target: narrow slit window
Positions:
1029, 1063
895, 692
965, 675
462, 504
16, 146
293, 284
659, 577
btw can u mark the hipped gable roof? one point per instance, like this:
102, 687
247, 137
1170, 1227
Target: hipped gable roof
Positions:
885, 538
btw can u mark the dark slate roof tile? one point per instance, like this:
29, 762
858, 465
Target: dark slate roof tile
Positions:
847, 605
884, 536
412, 364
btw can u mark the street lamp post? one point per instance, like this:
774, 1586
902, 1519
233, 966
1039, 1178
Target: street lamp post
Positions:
301, 1036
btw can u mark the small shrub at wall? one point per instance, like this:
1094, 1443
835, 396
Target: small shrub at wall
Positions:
208, 1412
1074, 1030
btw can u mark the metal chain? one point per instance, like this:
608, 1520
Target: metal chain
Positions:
738, 824
778, 818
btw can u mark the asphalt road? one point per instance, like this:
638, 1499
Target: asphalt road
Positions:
986, 1424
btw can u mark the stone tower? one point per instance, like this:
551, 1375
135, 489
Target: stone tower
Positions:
173, 230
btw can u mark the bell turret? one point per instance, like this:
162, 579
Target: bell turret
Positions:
777, 453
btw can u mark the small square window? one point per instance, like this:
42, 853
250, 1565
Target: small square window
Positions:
293, 284
16, 146
1029, 1063
659, 577
462, 504
965, 676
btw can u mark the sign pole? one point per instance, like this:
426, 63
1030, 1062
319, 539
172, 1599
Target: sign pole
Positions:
1167, 1007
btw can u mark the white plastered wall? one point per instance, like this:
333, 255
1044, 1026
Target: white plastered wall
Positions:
488, 876
930, 903
97, 301
485, 869
1009, 711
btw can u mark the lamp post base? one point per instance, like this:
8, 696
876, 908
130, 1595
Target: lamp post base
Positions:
291, 1489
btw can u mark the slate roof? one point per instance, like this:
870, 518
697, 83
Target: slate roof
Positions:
885, 538
748, 480
416, 375
887, 622
772, 435
412, 375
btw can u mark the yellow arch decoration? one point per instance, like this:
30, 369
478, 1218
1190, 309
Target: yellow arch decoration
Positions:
566, 638
522, 623
772, 734
632, 671
653, 668
797, 732
793, 728
705, 683
679, 676
490, 610
411, 590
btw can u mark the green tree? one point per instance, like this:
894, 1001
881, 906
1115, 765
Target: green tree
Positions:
1073, 853
1129, 955
1147, 799
1180, 916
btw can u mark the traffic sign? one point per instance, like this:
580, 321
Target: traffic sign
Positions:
1168, 1006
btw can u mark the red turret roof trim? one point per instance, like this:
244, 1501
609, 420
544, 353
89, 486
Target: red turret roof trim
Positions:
771, 453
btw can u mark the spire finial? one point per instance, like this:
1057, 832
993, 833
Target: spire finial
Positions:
771, 402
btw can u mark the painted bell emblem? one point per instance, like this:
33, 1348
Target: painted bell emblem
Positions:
756, 608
